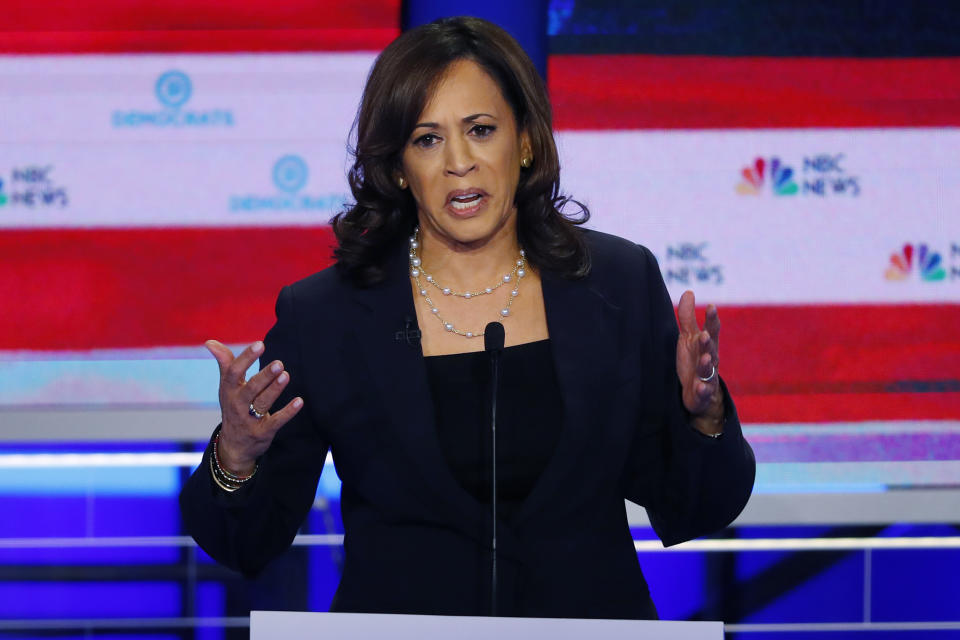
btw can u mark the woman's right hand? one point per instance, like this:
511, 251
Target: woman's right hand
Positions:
243, 436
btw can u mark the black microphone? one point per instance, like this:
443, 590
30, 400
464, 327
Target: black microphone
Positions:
493, 337
493, 343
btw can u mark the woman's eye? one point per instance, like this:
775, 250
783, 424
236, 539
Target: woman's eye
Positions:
427, 140
482, 130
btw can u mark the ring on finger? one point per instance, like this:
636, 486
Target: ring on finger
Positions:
710, 377
256, 414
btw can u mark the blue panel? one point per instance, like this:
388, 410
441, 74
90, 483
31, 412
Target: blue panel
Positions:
916, 584
677, 582
643, 533
138, 446
834, 595
39, 516
89, 599
136, 516
202, 557
211, 603
324, 517
919, 530
526, 21
144, 481
81, 556
323, 561
324, 577
709, 28
329, 485
749, 565
93, 516
110, 635
150, 381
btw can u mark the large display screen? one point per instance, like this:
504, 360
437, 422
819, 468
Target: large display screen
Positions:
166, 167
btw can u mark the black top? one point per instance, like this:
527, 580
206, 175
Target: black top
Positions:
529, 413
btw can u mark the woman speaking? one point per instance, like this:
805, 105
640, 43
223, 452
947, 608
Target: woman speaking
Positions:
380, 358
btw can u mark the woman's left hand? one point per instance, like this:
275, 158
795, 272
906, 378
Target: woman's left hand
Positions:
698, 359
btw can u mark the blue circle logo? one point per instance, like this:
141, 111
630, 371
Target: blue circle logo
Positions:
173, 88
290, 173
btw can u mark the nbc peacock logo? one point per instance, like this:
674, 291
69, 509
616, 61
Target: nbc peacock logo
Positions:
776, 172
929, 264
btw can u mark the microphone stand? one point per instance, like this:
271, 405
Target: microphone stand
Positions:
493, 338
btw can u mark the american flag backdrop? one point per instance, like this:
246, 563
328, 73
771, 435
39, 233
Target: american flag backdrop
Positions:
165, 168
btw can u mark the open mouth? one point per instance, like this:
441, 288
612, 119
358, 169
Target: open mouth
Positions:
465, 202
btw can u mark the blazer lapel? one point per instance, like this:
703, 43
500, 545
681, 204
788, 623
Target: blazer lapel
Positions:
398, 370
584, 332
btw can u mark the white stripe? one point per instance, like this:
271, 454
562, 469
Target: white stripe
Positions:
804, 544
841, 626
759, 544
869, 427
127, 542
99, 460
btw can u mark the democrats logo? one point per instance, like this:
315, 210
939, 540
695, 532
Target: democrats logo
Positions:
173, 91
822, 175
290, 176
33, 187
927, 264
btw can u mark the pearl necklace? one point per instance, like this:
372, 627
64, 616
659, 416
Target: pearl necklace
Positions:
417, 270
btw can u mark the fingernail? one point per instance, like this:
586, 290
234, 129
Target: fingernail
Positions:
283, 378
257, 347
297, 403
276, 368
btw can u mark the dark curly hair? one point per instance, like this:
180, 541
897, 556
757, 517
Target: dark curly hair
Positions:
396, 92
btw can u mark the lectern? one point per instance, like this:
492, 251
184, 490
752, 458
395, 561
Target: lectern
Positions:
283, 625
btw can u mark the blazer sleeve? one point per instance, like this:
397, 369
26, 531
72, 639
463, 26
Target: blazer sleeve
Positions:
691, 484
245, 529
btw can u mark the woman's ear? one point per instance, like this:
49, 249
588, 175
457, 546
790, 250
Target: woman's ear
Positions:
526, 148
526, 153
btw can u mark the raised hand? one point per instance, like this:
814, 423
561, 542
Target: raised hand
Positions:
698, 362
248, 427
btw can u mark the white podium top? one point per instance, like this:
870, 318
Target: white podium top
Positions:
282, 625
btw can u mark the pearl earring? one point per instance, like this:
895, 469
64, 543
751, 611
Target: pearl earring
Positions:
401, 182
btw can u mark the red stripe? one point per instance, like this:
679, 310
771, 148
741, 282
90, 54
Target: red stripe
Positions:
115, 26
705, 92
82, 289
849, 362
148, 287
851, 407
195, 41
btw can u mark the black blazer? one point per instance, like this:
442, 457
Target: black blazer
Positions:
415, 540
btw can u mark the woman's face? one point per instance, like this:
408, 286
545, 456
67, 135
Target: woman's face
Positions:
462, 160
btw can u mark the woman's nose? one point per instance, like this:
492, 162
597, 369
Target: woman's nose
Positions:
459, 157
